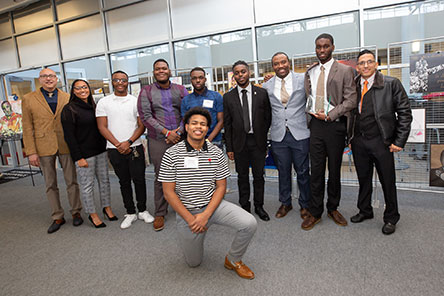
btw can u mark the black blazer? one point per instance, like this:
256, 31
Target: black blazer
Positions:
235, 136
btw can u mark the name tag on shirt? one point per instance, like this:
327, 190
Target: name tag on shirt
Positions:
191, 163
207, 103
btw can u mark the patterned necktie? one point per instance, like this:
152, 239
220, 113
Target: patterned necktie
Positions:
320, 93
284, 94
245, 111
364, 90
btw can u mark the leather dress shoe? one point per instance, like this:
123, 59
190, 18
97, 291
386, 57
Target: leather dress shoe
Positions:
56, 225
337, 218
240, 268
247, 209
358, 218
283, 211
388, 228
159, 223
309, 222
77, 219
304, 213
261, 213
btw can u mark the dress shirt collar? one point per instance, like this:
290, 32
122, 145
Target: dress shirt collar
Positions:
248, 88
161, 88
370, 81
204, 94
327, 65
286, 78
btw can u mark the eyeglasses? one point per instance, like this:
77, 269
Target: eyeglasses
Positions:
117, 80
369, 62
52, 76
80, 87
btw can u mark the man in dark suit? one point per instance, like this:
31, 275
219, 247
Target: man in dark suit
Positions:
247, 118
381, 126
331, 92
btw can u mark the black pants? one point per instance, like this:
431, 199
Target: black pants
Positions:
327, 141
127, 168
250, 156
368, 153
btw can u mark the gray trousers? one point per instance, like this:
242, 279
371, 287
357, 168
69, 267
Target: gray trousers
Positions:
156, 149
47, 164
97, 168
227, 214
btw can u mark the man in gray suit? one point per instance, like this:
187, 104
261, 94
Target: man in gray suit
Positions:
289, 133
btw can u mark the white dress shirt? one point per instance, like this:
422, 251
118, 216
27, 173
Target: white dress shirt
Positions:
314, 75
250, 103
288, 86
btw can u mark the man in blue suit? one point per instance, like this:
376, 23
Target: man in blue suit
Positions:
289, 133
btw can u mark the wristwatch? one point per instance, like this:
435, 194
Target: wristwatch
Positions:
129, 141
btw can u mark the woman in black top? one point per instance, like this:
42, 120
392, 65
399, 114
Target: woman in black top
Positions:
88, 150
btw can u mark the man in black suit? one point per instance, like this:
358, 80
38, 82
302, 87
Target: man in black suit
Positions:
247, 118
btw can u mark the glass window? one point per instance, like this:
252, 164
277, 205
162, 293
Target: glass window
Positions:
114, 3
67, 8
93, 70
42, 42
214, 51
5, 26
7, 55
33, 16
299, 37
82, 37
403, 22
138, 61
138, 24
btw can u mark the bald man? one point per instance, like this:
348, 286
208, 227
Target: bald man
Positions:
44, 143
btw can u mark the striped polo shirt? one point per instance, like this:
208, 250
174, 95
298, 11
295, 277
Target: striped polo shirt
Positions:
194, 172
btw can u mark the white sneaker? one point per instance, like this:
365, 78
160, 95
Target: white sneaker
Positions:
128, 220
146, 217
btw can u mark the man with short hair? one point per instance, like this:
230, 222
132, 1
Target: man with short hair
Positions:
208, 99
194, 177
290, 137
44, 142
247, 118
159, 109
381, 125
120, 125
331, 92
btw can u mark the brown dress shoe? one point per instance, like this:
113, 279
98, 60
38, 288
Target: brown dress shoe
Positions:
158, 223
283, 211
304, 213
310, 222
240, 268
337, 218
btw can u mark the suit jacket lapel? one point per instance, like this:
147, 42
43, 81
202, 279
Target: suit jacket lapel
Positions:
237, 101
253, 102
60, 104
307, 83
41, 99
331, 75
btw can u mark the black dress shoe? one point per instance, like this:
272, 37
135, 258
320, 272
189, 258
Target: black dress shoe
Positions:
113, 218
388, 228
77, 219
247, 209
56, 225
101, 225
261, 213
358, 218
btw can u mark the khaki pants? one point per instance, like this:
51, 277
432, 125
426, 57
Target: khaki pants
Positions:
47, 164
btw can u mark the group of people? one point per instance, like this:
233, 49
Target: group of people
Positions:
311, 118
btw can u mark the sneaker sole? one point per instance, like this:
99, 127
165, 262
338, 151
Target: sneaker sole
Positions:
340, 224
311, 227
146, 221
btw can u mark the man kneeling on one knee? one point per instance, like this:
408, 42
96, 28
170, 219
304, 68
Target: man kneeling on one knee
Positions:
194, 177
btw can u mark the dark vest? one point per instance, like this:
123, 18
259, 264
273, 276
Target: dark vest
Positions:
366, 124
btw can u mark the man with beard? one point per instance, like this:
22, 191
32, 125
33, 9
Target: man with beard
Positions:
247, 118
208, 99
159, 109
44, 142
331, 92
194, 174
290, 137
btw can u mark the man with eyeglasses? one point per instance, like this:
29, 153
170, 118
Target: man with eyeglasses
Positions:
44, 142
208, 99
119, 123
381, 126
159, 109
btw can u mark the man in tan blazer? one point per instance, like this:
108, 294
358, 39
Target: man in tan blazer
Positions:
44, 142
331, 93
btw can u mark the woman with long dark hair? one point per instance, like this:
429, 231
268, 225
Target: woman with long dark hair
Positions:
88, 150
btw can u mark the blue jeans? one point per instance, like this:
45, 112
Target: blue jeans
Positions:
287, 152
